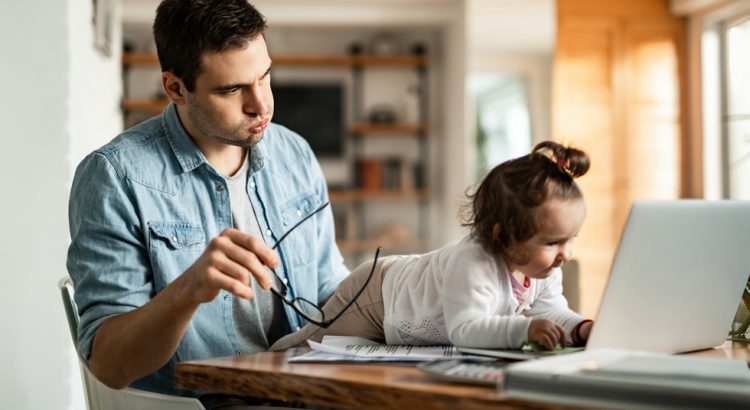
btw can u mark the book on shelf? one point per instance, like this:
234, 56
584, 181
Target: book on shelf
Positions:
390, 174
370, 174
614, 378
345, 221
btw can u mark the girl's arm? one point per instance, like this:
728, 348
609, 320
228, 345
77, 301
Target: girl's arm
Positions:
550, 303
477, 305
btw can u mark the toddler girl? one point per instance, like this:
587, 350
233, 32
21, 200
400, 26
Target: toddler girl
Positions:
499, 287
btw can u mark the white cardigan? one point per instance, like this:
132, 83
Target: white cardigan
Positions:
461, 295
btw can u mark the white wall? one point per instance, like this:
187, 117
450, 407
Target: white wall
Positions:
518, 37
47, 65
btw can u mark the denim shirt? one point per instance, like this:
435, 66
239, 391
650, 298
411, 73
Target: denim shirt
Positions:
144, 207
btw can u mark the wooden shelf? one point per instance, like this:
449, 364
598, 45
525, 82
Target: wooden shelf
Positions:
351, 60
310, 60
394, 129
401, 60
144, 105
354, 195
369, 245
140, 59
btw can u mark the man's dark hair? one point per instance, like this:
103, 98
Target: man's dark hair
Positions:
185, 29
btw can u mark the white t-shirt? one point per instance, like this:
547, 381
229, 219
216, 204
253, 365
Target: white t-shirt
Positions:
463, 296
259, 321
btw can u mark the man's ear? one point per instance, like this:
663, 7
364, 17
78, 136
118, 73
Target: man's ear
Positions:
174, 87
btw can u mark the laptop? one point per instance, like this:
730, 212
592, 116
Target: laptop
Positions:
677, 277
676, 280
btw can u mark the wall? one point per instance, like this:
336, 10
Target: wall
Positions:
41, 112
518, 37
514, 38
619, 94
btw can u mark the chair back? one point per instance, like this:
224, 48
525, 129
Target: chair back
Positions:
571, 284
98, 395
71, 310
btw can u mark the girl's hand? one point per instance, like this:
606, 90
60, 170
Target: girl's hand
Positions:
547, 333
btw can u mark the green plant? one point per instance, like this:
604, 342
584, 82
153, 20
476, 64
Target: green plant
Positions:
741, 323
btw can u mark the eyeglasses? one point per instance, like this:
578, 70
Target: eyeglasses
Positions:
305, 308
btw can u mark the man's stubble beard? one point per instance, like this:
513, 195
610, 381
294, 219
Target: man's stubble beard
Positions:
206, 127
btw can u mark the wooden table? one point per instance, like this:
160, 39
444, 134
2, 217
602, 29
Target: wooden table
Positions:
358, 386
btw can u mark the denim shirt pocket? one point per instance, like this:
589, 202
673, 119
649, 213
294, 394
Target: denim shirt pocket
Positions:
301, 243
173, 247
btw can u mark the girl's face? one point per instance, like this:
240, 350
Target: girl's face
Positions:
552, 245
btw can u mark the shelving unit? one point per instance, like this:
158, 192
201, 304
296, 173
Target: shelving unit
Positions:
354, 239
416, 188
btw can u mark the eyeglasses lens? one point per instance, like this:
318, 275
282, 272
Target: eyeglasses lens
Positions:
309, 309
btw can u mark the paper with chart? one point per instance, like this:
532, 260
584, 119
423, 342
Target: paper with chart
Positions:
348, 347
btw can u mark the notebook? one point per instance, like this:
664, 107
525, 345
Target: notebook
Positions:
676, 280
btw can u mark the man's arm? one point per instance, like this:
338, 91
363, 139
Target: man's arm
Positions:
126, 332
132, 345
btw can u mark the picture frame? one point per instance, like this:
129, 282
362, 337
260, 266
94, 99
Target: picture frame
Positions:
103, 25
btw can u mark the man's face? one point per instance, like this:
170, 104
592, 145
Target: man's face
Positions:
232, 101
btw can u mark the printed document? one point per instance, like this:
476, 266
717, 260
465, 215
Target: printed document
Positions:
349, 347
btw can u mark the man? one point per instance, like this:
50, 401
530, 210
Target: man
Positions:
173, 221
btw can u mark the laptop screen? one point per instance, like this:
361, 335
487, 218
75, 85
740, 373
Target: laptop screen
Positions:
677, 277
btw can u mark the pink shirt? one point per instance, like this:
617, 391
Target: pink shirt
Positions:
520, 290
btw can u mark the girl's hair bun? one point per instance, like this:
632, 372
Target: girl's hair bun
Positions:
571, 161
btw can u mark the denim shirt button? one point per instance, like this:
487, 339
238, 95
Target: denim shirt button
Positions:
268, 232
284, 281
226, 296
219, 188
252, 184
296, 328
299, 213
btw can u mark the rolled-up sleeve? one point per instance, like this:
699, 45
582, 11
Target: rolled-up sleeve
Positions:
107, 259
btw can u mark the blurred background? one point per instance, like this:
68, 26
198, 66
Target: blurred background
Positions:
406, 102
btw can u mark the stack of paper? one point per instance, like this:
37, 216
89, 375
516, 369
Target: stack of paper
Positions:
348, 348
626, 379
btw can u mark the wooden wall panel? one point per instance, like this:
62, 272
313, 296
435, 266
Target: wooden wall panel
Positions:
584, 117
616, 94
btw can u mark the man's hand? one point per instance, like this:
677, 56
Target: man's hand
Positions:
230, 262
547, 333
148, 336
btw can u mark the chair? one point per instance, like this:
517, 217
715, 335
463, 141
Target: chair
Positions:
99, 396
571, 284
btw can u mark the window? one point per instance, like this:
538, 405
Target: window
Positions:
502, 120
725, 102
736, 117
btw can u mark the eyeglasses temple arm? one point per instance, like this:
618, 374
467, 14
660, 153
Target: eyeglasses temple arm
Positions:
328, 322
320, 208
